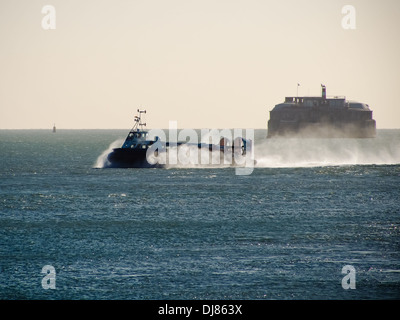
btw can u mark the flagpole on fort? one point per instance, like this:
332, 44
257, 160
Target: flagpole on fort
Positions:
297, 94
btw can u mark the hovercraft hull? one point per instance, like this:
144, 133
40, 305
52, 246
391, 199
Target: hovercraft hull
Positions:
129, 158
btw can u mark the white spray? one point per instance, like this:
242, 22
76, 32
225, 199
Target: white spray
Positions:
292, 152
102, 160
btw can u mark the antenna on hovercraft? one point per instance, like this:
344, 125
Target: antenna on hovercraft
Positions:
138, 121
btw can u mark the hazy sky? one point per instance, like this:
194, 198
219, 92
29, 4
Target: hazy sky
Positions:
203, 63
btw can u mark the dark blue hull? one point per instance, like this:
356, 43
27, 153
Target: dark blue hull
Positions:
129, 158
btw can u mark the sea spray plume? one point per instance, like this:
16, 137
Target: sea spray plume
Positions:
102, 160
214, 148
311, 152
190, 156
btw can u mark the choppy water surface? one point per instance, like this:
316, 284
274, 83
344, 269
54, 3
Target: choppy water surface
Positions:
309, 208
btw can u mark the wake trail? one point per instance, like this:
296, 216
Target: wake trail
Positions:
326, 152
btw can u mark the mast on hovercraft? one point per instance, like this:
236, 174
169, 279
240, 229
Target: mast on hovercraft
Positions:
138, 121
137, 137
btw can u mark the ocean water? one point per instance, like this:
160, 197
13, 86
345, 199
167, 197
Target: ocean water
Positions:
309, 208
